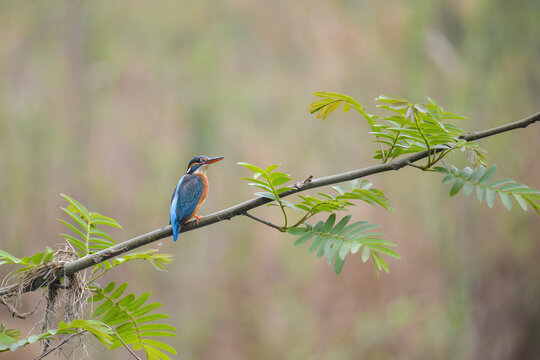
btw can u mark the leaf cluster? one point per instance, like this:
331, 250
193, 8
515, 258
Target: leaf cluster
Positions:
88, 236
268, 180
410, 127
118, 321
363, 191
336, 241
157, 260
129, 316
27, 262
467, 179
9, 339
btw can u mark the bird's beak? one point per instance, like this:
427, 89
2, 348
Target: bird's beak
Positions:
213, 160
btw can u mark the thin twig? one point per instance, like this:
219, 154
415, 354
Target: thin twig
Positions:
127, 347
416, 166
242, 208
59, 345
262, 221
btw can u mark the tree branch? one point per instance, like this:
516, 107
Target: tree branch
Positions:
242, 208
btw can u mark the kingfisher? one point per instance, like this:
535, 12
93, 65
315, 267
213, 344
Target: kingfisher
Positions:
190, 193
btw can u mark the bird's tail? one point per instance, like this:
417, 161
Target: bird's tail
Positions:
175, 230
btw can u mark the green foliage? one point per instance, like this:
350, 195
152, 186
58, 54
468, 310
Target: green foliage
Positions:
98, 329
331, 101
129, 316
312, 205
27, 262
467, 179
88, 236
157, 260
363, 191
123, 321
336, 241
410, 128
267, 180
8, 337
329, 240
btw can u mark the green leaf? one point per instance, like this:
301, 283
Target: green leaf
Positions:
97, 219
318, 241
82, 222
500, 182
139, 302
9, 257
155, 354
477, 173
267, 195
338, 264
336, 240
151, 317
329, 224
151, 327
520, 201
468, 188
506, 200
457, 186
251, 167
365, 254
487, 175
480, 192
341, 224
448, 178
80, 208
271, 168
389, 99
490, 197
303, 239
36, 258
160, 345
146, 309
74, 229
119, 290
385, 251
103, 308
280, 181
381, 264
511, 187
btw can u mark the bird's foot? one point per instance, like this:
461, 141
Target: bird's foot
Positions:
198, 218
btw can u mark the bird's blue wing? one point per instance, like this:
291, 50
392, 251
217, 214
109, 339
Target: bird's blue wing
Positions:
172, 212
190, 192
185, 200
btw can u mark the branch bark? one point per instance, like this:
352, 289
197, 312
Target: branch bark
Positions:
242, 208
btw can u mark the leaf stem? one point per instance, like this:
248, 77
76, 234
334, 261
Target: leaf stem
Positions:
263, 221
126, 346
278, 199
416, 117
127, 313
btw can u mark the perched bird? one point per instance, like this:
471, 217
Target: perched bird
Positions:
190, 193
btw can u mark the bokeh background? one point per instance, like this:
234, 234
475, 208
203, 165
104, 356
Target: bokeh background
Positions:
108, 101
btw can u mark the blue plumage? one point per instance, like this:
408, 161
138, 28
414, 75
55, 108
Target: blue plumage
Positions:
185, 200
190, 193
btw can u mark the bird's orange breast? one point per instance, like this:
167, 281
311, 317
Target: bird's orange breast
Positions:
204, 194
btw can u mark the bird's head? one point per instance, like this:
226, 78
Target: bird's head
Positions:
199, 164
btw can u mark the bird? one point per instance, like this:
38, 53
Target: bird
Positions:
190, 193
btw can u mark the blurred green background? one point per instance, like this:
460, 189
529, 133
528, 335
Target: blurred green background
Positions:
108, 101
